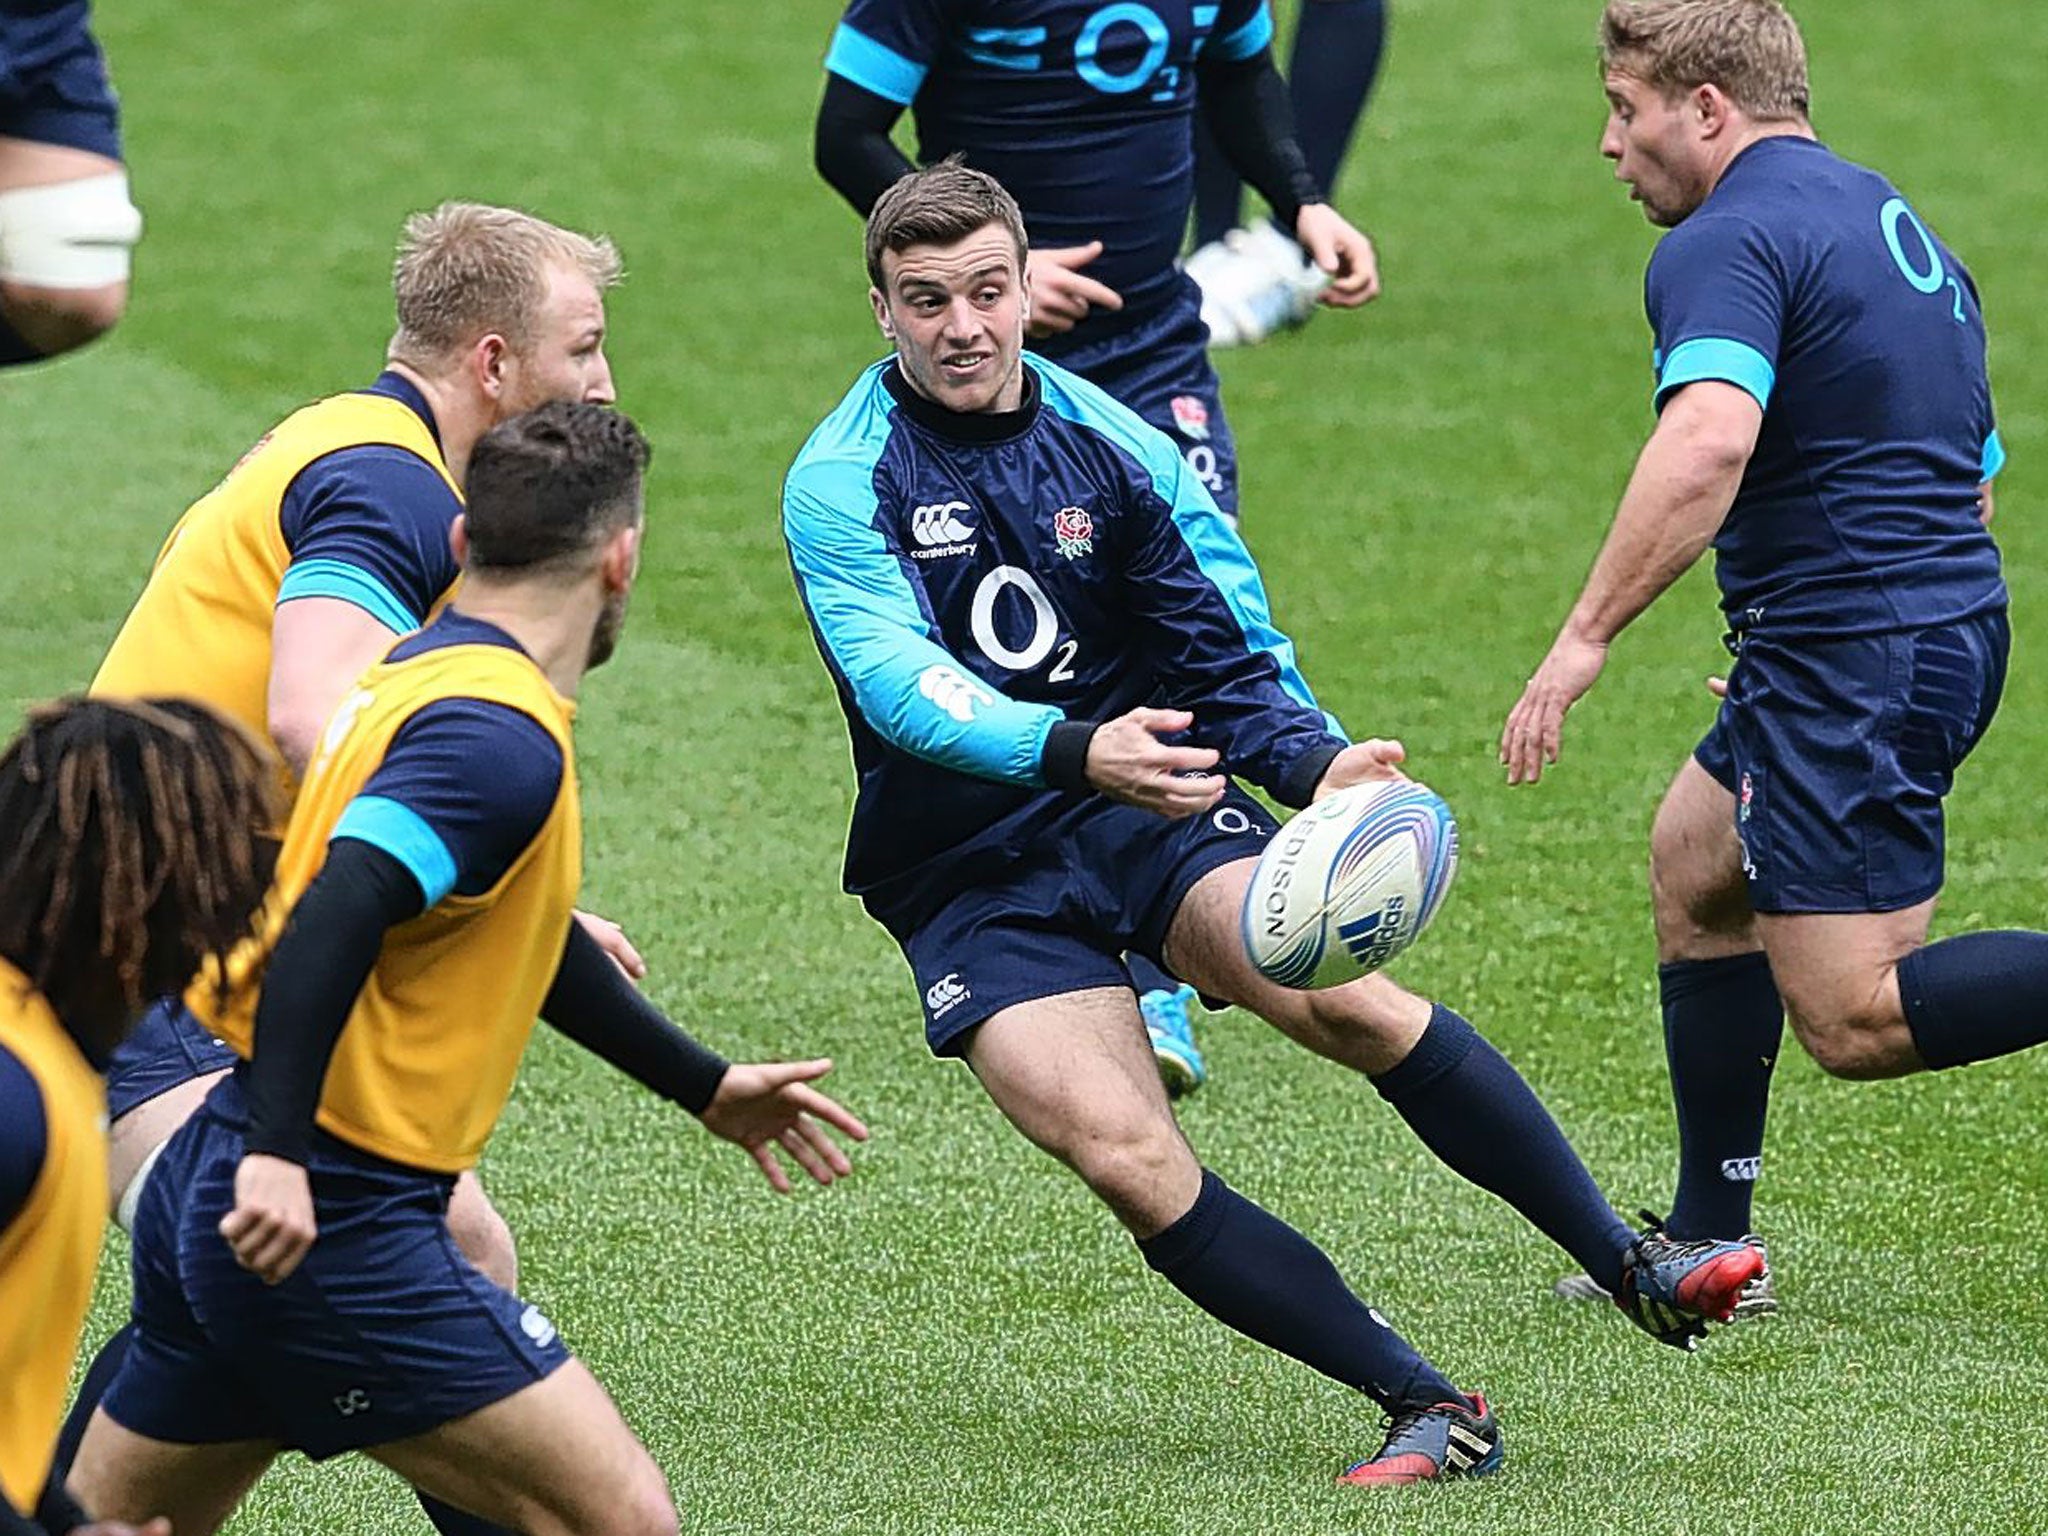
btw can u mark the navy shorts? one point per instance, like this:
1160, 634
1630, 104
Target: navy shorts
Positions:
384, 1331
1839, 753
1160, 369
1104, 880
167, 1048
53, 80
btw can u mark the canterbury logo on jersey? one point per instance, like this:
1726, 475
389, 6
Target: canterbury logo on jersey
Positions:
938, 530
955, 694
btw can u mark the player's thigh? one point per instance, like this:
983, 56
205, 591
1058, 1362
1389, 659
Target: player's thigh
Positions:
1369, 1024
138, 1134
553, 1459
1838, 974
481, 1233
120, 1475
1697, 888
1075, 1073
33, 163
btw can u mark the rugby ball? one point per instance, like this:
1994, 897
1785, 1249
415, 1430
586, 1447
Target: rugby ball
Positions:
1349, 883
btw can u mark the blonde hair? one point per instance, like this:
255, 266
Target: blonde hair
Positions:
1751, 49
467, 269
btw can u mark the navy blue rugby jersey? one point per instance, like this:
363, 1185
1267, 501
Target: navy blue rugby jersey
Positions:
972, 581
1811, 283
1082, 109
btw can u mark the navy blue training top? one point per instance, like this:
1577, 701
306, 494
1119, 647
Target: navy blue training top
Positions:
1083, 110
1810, 283
974, 580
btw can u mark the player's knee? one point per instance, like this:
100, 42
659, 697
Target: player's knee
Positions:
1850, 1041
1137, 1175
650, 1510
64, 259
482, 1235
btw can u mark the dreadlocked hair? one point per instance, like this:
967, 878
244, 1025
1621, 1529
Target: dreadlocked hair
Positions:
133, 849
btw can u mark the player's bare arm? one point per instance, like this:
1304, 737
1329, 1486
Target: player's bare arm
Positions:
1683, 485
319, 646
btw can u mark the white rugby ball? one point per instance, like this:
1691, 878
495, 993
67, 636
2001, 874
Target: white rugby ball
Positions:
1349, 883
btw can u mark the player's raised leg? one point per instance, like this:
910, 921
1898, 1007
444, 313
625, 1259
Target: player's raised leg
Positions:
1470, 1107
553, 1459
1075, 1075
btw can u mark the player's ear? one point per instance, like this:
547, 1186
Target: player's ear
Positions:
487, 359
881, 304
1710, 109
458, 538
621, 558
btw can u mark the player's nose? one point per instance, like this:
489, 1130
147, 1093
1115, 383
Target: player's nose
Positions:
599, 390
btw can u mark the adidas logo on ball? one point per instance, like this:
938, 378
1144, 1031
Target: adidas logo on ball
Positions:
1349, 883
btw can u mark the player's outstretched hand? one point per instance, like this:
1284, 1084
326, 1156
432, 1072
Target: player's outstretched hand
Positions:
1534, 733
1060, 296
1127, 761
1360, 762
765, 1105
271, 1226
611, 938
1341, 250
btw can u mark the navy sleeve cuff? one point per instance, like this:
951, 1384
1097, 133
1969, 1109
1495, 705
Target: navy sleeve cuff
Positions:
1298, 786
1065, 761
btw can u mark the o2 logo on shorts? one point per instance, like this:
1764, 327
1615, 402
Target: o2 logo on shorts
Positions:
1201, 459
1230, 821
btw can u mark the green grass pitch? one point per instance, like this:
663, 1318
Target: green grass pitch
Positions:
958, 1341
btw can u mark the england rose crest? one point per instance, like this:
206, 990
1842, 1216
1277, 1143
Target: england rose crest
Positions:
1075, 530
1191, 416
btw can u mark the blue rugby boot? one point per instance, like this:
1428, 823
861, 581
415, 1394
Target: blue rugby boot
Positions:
1172, 1033
1671, 1288
1424, 1443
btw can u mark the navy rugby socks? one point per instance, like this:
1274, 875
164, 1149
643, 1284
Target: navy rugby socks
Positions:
1472, 1109
1723, 1025
1976, 996
1252, 1272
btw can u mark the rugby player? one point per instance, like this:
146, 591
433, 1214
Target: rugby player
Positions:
294, 1280
1085, 113
1026, 815
67, 226
1825, 423
131, 850
324, 544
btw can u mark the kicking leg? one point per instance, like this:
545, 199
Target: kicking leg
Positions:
1074, 1074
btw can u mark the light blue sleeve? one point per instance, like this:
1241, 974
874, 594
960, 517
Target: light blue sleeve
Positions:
332, 578
404, 834
1244, 39
1994, 457
876, 636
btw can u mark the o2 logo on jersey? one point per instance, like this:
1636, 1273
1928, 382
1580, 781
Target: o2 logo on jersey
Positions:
1104, 33
1045, 625
1922, 267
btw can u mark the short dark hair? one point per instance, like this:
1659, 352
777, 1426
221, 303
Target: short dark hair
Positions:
548, 487
938, 205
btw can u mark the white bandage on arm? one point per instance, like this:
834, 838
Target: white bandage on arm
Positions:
70, 234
